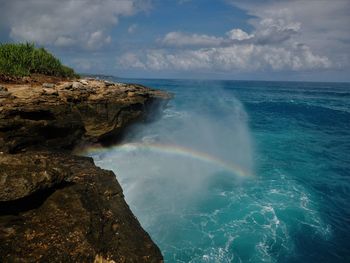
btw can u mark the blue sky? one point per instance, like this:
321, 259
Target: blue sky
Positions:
216, 39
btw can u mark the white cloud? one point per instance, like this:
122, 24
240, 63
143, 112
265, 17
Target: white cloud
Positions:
322, 25
267, 32
97, 39
275, 31
238, 34
271, 46
241, 58
130, 60
179, 39
285, 36
83, 23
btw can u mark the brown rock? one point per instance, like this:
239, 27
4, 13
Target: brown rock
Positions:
108, 83
2, 88
77, 85
84, 82
57, 207
32, 173
70, 114
48, 85
68, 217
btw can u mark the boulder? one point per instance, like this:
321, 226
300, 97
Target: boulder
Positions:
84, 81
66, 210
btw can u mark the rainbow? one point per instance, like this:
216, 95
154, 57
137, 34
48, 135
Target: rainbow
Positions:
170, 150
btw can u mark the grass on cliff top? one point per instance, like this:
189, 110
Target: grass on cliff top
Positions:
25, 59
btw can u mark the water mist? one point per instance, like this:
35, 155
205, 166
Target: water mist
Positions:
202, 192
169, 168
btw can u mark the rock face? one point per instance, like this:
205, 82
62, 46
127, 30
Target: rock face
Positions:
57, 207
65, 209
70, 113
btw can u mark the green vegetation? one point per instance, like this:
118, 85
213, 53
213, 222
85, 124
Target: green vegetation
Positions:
25, 59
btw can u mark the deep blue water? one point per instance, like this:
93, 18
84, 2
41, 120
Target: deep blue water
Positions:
291, 203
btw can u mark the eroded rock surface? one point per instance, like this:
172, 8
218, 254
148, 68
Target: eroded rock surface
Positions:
75, 213
57, 207
69, 113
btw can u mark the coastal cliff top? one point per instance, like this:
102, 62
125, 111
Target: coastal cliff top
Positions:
39, 114
89, 89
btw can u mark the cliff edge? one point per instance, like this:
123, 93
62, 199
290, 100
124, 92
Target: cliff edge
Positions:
57, 207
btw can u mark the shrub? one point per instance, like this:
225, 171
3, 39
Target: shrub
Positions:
24, 59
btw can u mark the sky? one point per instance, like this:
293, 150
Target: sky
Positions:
198, 39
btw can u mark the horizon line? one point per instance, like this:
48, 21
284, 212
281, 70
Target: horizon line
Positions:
208, 79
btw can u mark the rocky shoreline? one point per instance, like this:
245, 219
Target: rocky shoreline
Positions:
55, 206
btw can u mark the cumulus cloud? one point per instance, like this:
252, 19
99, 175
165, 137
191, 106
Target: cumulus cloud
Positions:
247, 57
267, 32
269, 47
322, 25
97, 39
285, 36
84, 23
275, 31
238, 34
179, 39
130, 60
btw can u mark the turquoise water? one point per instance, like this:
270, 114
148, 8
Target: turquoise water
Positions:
238, 171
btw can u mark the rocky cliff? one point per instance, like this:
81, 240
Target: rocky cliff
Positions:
57, 207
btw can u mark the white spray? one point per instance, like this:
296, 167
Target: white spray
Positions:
164, 181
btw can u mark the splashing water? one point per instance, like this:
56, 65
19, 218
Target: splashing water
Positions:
163, 149
202, 189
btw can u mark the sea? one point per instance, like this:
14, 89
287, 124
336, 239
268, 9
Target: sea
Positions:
241, 171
